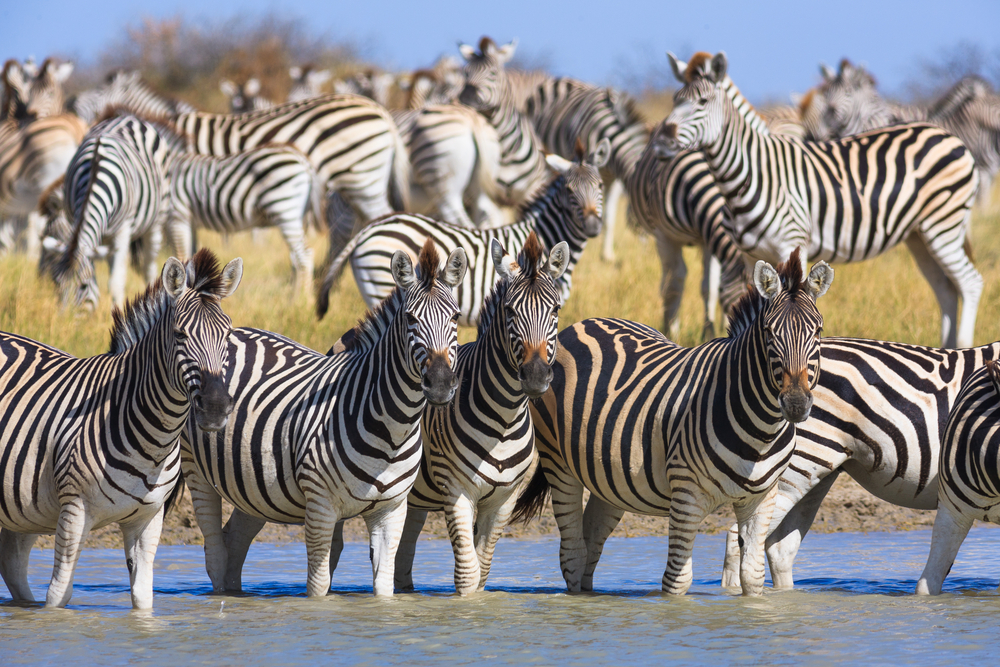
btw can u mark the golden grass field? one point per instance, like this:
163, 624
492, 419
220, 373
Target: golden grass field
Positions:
886, 298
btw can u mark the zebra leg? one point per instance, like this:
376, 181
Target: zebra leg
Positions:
684, 522
489, 528
238, 535
141, 541
731, 563
950, 529
567, 506
33, 236
754, 519
407, 548
72, 529
612, 197
119, 266
791, 520
321, 519
711, 278
15, 549
150, 252
181, 237
208, 513
671, 283
302, 257
460, 517
951, 274
336, 546
385, 527
599, 520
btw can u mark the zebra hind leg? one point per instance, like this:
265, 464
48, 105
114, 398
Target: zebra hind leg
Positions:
238, 534
789, 528
612, 197
321, 519
336, 546
950, 272
754, 519
567, 506
671, 282
302, 257
15, 549
407, 548
460, 517
731, 563
489, 528
73, 527
950, 529
141, 540
385, 527
599, 520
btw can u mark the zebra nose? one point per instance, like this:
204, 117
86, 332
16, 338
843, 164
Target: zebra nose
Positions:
469, 95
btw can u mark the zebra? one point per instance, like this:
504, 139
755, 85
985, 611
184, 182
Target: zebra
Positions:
879, 415
127, 90
369, 83
89, 442
319, 438
843, 201
115, 191
246, 97
653, 428
568, 210
307, 82
477, 449
969, 471
30, 94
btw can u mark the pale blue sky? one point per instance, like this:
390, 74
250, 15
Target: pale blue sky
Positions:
774, 47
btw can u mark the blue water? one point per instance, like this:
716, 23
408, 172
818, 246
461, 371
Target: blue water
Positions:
852, 603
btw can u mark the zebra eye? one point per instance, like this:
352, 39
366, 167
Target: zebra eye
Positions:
180, 334
703, 101
454, 318
411, 319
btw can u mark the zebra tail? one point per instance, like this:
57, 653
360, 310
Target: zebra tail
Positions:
136, 248
334, 268
399, 180
488, 159
532, 500
317, 202
175, 495
968, 248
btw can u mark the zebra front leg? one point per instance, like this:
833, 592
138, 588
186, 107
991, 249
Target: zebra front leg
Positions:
711, 278
181, 237
950, 529
302, 257
118, 261
407, 548
489, 528
73, 527
385, 526
460, 517
321, 520
671, 282
15, 549
599, 520
951, 274
151, 244
567, 506
684, 522
336, 546
754, 518
208, 513
141, 541
612, 197
793, 516
238, 535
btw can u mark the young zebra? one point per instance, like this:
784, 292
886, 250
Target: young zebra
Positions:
89, 442
568, 210
115, 192
843, 201
478, 448
29, 96
319, 438
653, 428
970, 474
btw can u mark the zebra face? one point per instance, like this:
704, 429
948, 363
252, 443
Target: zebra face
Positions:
697, 117
584, 187
486, 83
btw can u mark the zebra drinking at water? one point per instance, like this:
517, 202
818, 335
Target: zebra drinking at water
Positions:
320, 438
653, 428
89, 442
842, 201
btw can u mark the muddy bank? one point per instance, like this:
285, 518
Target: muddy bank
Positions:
848, 508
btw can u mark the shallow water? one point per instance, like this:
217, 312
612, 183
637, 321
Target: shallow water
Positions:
852, 603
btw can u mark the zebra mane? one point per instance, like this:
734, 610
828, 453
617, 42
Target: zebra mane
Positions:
531, 260
543, 195
751, 304
696, 66
806, 101
142, 313
376, 321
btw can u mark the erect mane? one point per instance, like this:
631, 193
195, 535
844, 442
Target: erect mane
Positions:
696, 66
531, 256
484, 43
806, 101
141, 314
751, 304
529, 260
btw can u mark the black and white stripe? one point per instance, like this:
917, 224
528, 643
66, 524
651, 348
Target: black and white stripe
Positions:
89, 442
126, 90
29, 93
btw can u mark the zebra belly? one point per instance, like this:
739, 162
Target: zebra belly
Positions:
442, 479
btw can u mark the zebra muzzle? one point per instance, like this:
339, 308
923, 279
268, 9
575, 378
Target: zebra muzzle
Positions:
213, 404
439, 381
665, 145
536, 373
795, 398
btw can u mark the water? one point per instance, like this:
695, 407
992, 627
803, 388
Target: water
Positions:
852, 604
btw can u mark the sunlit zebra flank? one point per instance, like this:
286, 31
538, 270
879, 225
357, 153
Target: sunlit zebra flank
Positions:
969, 487
319, 438
89, 442
653, 428
569, 209
841, 201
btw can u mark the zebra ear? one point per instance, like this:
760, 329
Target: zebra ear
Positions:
558, 260
677, 66
402, 269
828, 74
820, 279
497, 253
558, 164
600, 155
60, 72
231, 277
251, 87
13, 76
719, 66
174, 277
468, 52
319, 77
228, 88
766, 280
454, 268
796, 98
506, 52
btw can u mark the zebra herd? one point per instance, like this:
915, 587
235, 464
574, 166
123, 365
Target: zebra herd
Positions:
397, 419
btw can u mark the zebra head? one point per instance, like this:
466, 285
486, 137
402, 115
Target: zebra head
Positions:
486, 84
431, 317
584, 186
201, 332
307, 82
850, 101
699, 106
31, 94
242, 99
530, 302
791, 325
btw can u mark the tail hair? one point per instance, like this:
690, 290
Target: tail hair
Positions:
399, 179
532, 500
335, 266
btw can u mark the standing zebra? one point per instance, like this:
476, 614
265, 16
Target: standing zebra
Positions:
307, 82
970, 474
844, 201
319, 438
115, 191
653, 428
29, 96
879, 415
126, 90
568, 210
89, 442
478, 448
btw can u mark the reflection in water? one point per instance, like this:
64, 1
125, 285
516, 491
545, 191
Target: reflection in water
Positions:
852, 603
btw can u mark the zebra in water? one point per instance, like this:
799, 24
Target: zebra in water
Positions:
89, 442
30, 94
970, 474
879, 415
126, 90
478, 448
842, 201
307, 82
568, 210
319, 438
115, 192
653, 428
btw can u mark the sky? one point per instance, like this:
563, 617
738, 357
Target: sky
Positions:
774, 47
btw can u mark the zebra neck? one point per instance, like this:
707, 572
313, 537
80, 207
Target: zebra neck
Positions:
490, 379
517, 137
734, 157
552, 219
752, 397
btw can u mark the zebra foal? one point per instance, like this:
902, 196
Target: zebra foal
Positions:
89, 442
